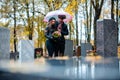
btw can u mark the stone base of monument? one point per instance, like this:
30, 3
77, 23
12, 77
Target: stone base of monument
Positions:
68, 48
4, 43
26, 51
84, 48
106, 38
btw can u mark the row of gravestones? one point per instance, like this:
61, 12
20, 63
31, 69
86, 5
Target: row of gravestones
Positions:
106, 44
25, 47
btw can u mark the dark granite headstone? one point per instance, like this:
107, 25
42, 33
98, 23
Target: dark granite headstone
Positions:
106, 38
84, 48
68, 48
4, 43
14, 55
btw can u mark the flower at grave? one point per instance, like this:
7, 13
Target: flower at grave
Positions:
38, 54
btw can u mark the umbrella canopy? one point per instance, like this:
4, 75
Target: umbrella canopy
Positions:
55, 15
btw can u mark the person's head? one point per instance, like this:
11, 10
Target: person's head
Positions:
52, 20
61, 18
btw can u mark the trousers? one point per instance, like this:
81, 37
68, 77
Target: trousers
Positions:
52, 48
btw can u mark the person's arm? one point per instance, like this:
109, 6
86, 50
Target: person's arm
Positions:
47, 34
65, 30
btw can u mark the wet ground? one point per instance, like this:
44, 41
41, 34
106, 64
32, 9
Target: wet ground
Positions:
82, 68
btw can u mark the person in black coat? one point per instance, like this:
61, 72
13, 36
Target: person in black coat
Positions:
50, 42
62, 27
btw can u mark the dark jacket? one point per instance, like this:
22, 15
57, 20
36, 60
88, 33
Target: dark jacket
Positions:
64, 32
49, 31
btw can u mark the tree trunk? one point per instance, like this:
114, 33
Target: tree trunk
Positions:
15, 38
117, 17
38, 30
76, 15
76, 18
32, 27
95, 21
112, 9
70, 30
90, 18
87, 25
28, 20
117, 11
97, 9
81, 33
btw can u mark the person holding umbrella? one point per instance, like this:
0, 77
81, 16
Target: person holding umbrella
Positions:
62, 28
50, 42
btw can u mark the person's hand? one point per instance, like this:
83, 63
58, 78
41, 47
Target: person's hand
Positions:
59, 30
59, 27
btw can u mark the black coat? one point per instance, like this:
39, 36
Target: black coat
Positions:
64, 32
50, 30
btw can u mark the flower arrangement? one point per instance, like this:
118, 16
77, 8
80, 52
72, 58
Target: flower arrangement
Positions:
56, 34
38, 54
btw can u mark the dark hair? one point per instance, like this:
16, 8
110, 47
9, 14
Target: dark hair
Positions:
52, 18
61, 16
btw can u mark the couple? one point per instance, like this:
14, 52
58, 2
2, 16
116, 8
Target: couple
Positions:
55, 32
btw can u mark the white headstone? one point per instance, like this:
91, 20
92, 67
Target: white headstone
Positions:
26, 51
4, 43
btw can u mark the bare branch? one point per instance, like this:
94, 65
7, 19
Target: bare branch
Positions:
40, 13
93, 4
47, 3
101, 4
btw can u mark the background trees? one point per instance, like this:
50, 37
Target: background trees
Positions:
25, 18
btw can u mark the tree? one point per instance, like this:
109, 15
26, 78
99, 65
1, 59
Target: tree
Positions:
76, 18
32, 26
87, 25
72, 8
28, 19
112, 9
117, 12
97, 5
90, 22
8, 13
15, 38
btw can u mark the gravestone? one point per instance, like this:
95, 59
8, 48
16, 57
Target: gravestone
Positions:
106, 38
14, 55
26, 51
84, 48
68, 48
4, 43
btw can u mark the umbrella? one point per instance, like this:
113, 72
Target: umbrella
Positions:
55, 15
